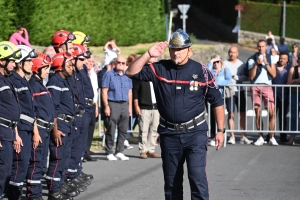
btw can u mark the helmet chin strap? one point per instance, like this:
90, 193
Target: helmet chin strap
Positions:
8, 73
76, 65
25, 72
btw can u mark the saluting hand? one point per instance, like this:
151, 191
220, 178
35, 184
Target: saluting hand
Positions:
219, 140
158, 49
57, 134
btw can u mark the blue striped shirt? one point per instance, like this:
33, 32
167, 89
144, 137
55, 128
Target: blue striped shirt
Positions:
118, 85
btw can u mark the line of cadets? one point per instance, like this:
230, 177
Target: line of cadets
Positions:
37, 119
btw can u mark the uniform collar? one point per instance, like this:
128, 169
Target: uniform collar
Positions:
58, 76
182, 67
1, 76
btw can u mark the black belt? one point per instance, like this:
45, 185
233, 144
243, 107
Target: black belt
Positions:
154, 106
8, 123
117, 101
89, 102
67, 118
184, 126
80, 113
44, 124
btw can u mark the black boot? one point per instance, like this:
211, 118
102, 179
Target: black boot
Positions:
80, 188
69, 191
81, 181
86, 176
58, 196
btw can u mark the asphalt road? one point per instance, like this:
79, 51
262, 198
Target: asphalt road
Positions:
237, 172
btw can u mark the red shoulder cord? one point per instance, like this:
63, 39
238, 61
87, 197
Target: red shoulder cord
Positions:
206, 73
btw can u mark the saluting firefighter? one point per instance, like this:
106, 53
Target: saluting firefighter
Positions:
181, 86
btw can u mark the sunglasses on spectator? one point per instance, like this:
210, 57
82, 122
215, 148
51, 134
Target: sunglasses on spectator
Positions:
216, 62
123, 63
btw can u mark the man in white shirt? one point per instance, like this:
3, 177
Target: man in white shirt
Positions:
236, 68
261, 73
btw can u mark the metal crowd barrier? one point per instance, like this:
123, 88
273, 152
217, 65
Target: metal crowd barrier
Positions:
250, 118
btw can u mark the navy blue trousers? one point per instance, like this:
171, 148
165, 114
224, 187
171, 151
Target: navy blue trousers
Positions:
176, 149
75, 164
6, 157
20, 166
58, 162
36, 166
87, 117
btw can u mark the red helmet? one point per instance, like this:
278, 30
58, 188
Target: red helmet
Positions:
80, 52
59, 61
41, 61
62, 37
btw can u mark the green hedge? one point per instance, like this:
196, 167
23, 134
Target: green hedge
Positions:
8, 17
128, 21
262, 17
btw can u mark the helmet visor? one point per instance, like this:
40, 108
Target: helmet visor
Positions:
71, 37
32, 54
15, 56
87, 39
87, 54
47, 60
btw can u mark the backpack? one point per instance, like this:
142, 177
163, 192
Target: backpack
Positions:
258, 71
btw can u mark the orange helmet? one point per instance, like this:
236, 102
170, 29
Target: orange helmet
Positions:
59, 61
62, 37
80, 52
41, 61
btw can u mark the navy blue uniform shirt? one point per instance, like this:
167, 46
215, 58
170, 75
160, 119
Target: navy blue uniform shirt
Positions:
42, 100
24, 93
180, 90
80, 100
63, 99
88, 88
9, 107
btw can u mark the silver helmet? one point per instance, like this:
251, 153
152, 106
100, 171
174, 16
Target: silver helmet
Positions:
179, 39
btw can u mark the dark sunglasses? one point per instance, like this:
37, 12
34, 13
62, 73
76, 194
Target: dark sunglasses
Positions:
123, 63
216, 62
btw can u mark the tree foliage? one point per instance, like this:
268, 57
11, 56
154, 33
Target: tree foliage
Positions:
128, 21
8, 17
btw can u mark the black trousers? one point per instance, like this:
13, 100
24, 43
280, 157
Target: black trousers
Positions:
91, 129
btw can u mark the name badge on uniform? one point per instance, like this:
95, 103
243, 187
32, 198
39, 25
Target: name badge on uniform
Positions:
178, 87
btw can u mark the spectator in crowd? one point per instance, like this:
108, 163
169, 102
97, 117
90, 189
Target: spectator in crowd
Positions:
261, 72
117, 99
270, 35
223, 77
271, 45
236, 67
146, 110
93, 76
282, 47
132, 120
49, 50
281, 94
293, 55
294, 79
274, 56
111, 51
20, 37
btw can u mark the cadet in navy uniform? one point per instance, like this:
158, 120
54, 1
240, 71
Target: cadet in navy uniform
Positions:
181, 86
44, 109
9, 113
27, 128
75, 173
64, 112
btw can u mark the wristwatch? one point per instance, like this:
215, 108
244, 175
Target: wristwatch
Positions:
221, 130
